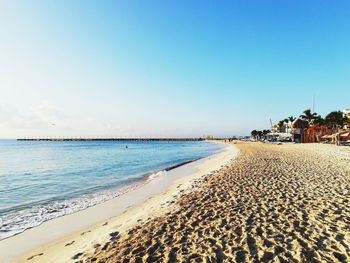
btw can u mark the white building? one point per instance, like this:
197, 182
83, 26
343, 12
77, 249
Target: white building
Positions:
346, 113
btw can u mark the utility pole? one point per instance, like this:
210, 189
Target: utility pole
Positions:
271, 126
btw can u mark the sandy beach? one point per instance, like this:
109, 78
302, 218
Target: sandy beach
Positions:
287, 203
82, 230
174, 131
274, 203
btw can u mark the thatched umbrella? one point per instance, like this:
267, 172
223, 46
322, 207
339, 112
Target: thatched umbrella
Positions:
299, 124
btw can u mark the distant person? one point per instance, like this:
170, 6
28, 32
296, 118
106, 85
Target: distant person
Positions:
126, 147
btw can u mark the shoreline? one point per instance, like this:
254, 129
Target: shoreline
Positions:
117, 190
144, 202
275, 203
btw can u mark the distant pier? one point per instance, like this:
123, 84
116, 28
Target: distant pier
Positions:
109, 139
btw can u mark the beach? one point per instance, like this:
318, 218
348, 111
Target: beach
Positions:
270, 203
277, 203
175, 131
154, 195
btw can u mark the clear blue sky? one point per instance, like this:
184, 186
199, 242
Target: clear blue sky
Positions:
168, 68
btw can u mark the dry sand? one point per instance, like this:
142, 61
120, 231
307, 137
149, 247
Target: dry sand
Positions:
276, 203
287, 203
115, 216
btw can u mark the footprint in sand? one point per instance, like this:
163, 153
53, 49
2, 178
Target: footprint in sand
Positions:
70, 243
85, 232
37, 255
114, 235
76, 256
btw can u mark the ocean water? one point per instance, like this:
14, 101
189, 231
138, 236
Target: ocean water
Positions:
44, 180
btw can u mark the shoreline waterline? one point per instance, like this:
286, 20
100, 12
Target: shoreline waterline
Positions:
41, 181
61, 227
102, 196
276, 203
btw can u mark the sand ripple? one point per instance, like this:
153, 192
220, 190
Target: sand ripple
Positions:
275, 204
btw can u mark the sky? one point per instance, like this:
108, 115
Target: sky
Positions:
168, 68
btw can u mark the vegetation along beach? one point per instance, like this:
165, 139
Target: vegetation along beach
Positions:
155, 131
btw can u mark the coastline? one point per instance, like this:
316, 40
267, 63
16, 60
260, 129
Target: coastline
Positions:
276, 203
111, 193
94, 224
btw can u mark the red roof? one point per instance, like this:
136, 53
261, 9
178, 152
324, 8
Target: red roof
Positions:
317, 127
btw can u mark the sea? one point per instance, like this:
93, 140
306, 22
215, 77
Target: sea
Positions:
42, 180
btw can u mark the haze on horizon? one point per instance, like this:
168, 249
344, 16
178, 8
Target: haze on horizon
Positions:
168, 69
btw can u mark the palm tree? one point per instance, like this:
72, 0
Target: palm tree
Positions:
319, 120
280, 125
308, 116
291, 119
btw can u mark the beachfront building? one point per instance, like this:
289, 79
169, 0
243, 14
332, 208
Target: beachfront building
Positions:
274, 128
288, 127
297, 130
278, 133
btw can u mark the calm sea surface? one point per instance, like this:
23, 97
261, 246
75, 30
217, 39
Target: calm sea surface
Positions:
43, 180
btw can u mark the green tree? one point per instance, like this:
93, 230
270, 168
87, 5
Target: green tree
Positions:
266, 132
280, 125
308, 116
254, 133
347, 122
291, 119
335, 119
257, 134
319, 120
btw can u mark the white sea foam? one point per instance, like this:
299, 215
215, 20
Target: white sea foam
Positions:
18, 221
156, 174
77, 166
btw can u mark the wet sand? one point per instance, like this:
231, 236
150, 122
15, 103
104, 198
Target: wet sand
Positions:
287, 203
275, 203
61, 239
